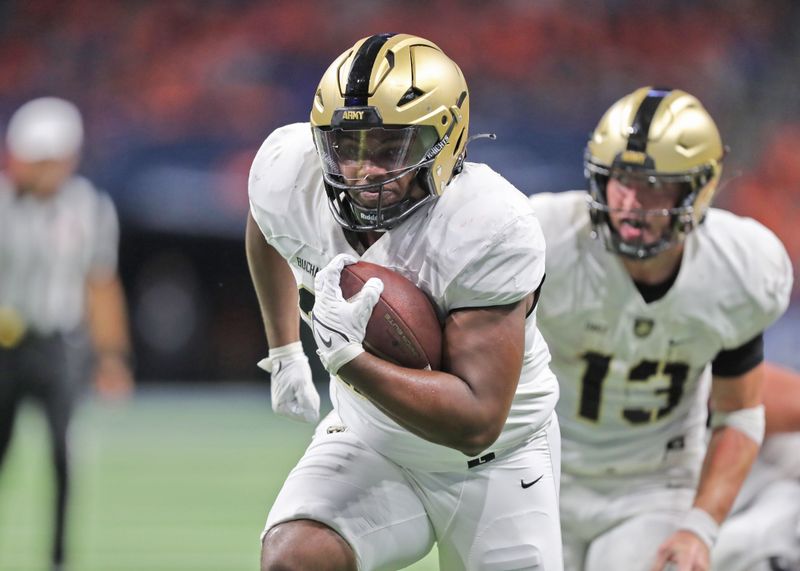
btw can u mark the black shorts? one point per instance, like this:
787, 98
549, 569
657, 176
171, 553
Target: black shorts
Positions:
51, 369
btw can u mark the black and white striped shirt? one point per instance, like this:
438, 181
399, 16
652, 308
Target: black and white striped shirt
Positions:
48, 249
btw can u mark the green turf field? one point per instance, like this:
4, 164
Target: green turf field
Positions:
176, 479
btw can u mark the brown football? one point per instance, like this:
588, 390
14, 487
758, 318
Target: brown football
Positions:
404, 327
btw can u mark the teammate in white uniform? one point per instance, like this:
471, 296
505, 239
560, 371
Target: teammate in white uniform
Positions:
467, 457
652, 300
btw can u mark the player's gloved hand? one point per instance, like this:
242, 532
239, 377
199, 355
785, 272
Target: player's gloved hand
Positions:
682, 551
340, 325
293, 392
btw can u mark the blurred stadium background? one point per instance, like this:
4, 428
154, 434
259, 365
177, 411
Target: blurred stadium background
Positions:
177, 97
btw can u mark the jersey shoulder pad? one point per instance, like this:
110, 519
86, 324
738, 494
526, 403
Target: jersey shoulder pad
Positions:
489, 241
754, 272
80, 186
571, 251
82, 195
563, 215
97, 214
284, 179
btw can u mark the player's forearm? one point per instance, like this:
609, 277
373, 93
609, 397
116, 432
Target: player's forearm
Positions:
728, 460
275, 288
107, 317
434, 405
738, 427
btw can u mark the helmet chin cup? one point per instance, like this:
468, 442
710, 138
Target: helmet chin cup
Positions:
387, 217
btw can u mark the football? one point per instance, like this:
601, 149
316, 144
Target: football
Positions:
404, 327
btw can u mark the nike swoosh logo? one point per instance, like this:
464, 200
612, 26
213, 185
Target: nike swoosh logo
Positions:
318, 330
329, 341
529, 484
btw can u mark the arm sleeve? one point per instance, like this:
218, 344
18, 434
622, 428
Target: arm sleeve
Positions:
766, 285
282, 185
106, 246
509, 266
738, 361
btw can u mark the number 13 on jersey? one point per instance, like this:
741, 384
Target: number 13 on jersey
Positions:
638, 377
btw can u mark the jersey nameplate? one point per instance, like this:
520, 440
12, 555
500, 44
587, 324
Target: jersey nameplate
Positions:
306, 266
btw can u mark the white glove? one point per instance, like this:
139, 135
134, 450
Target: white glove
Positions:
340, 325
293, 392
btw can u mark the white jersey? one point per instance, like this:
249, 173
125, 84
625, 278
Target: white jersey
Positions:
635, 376
477, 245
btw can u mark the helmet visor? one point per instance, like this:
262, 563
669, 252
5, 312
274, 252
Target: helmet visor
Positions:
653, 180
378, 155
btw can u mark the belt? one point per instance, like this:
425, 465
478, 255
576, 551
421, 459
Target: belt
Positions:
481, 460
501, 452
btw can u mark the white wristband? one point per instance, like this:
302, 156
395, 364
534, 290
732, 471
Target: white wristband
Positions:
289, 350
700, 523
337, 360
749, 421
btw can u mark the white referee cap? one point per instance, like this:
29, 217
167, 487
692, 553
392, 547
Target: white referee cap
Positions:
47, 128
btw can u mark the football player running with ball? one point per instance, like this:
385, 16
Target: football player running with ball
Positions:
467, 457
654, 302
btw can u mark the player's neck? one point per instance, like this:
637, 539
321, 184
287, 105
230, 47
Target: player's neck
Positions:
369, 238
655, 270
361, 241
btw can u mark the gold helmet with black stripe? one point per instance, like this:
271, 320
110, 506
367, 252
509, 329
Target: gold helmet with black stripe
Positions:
651, 138
388, 110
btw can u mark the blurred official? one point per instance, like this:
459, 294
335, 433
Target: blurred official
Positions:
62, 310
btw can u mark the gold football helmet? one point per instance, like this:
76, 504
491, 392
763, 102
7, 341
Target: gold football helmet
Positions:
653, 137
391, 105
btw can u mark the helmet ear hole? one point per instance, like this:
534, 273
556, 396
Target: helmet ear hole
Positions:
686, 194
458, 147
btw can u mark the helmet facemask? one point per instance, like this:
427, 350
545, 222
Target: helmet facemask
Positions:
667, 201
375, 177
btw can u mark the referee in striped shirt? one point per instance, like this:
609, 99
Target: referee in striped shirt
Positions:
62, 308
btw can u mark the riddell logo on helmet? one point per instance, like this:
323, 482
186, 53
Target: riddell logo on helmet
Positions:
353, 115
